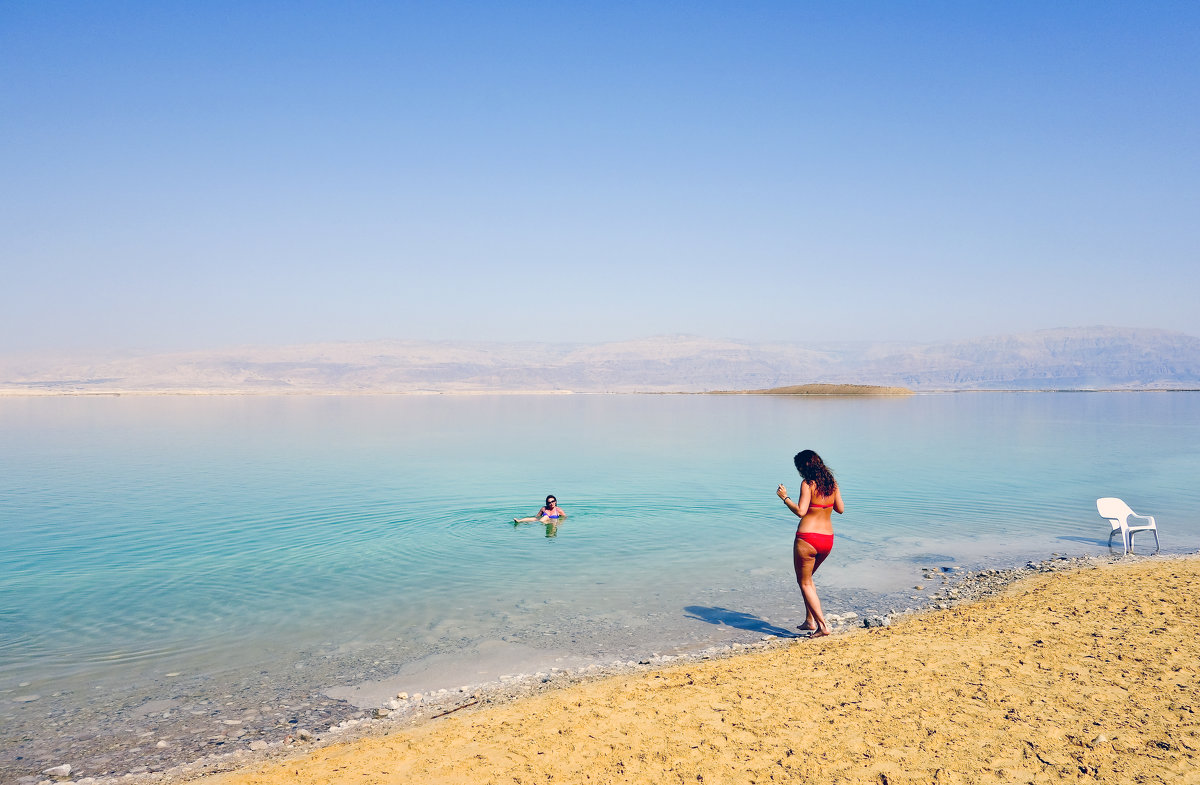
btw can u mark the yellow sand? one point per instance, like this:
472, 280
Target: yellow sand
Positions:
1086, 676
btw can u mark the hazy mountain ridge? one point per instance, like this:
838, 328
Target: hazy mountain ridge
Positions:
1075, 358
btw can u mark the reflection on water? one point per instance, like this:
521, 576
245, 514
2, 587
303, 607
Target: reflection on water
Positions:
551, 527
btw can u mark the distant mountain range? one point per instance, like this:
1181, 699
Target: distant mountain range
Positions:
1068, 358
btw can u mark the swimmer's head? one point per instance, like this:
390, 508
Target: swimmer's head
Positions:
551, 501
814, 470
805, 460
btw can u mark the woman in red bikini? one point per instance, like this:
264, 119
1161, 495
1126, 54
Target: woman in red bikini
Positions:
819, 495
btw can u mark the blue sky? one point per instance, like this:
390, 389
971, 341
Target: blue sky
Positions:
184, 175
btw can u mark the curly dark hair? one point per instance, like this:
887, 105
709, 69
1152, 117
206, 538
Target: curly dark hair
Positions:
814, 470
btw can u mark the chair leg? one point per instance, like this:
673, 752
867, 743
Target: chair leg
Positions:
1113, 533
1155, 539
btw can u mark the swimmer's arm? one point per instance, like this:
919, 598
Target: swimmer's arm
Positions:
839, 506
805, 497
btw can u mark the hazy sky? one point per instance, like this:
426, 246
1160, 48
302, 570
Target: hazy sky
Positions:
202, 174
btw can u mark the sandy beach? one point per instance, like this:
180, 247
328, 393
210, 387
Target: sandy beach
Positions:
1091, 674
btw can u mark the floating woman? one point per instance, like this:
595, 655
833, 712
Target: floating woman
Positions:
551, 512
819, 495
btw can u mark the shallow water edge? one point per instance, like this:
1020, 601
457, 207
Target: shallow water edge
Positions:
173, 736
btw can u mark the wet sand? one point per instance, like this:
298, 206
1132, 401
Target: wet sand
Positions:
1091, 675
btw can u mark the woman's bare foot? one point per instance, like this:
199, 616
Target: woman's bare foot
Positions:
808, 625
819, 633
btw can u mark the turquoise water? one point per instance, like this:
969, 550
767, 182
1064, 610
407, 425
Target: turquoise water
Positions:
319, 542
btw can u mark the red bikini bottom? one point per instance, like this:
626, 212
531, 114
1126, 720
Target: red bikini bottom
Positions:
822, 542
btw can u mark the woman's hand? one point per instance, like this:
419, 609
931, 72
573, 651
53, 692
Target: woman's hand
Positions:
782, 492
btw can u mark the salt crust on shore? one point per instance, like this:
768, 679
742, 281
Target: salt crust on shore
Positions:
1088, 675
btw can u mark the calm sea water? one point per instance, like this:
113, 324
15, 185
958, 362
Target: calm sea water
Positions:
332, 543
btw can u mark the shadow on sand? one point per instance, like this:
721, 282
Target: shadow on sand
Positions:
742, 621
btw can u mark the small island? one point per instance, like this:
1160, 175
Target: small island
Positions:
822, 389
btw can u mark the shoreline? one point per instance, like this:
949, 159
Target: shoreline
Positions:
1060, 695
957, 591
850, 390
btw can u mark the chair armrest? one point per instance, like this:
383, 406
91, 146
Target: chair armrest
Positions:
1148, 518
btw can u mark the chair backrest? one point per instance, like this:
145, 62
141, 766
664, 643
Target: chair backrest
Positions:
1114, 509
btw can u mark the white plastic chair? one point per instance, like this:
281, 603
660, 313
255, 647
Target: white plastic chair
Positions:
1120, 516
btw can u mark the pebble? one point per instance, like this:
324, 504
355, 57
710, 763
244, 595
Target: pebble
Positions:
59, 771
304, 735
258, 744
26, 698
